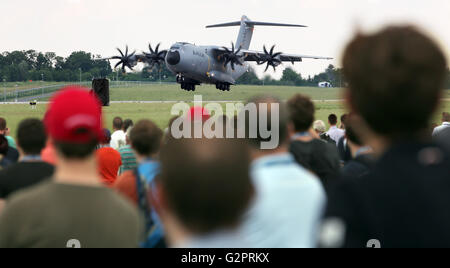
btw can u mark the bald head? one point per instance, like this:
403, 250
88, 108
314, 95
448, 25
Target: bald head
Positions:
205, 182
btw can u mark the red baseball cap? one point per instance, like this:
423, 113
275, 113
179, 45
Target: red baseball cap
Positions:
74, 116
198, 112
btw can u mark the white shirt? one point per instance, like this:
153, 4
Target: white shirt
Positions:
335, 133
441, 128
287, 207
118, 140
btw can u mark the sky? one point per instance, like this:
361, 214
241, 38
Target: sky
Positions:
99, 26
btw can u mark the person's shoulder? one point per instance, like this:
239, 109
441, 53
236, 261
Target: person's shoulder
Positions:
29, 196
125, 179
121, 205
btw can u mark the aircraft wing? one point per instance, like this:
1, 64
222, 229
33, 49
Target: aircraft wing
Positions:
250, 55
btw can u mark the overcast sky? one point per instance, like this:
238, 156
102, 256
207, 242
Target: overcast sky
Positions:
99, 26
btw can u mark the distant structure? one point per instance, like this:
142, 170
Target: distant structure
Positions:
325, 84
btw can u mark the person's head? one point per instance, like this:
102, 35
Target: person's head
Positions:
445, 117
398, 72
270, 136
127, 123
319, 126
3, 145
3, 127
127, 135
332, 119
145, 138
301, 112
204, 185
74, 123
31, 136
106, 136
117, 123
343, 119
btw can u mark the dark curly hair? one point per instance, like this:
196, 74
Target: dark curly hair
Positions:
395, 78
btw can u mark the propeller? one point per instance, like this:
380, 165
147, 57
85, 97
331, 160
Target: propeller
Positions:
269, 57
125, 59
232, 57
155, 56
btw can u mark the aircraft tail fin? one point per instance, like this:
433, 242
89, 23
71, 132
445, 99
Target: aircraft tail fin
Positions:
246, 29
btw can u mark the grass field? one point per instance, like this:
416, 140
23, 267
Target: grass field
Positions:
160, 112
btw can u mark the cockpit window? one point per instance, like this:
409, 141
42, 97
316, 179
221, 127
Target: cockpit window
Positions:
175, 47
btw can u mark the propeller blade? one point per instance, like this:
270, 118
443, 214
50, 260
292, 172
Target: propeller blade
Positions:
126, 52
232, 66
117, 64
157, 48
271, 50
277, 54
120, 52
151, 49
268, 64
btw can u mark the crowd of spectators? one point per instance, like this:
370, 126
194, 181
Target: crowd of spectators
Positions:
376, 172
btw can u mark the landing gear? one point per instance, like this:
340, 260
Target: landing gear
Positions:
188, 86
223, 86
186, 83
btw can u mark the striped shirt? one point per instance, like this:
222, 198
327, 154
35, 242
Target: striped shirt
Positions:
128, 159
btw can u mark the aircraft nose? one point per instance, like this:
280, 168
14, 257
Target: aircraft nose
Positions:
173, 57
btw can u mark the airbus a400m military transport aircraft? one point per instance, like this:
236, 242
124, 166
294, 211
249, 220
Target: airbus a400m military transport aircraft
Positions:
222, 66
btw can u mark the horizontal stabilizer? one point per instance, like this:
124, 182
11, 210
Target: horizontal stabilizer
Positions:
236, 23
252, 23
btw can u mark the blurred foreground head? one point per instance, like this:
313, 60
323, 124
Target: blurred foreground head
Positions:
74, 122
395, 78
205, 184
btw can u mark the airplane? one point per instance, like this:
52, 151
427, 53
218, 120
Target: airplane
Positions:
221, 66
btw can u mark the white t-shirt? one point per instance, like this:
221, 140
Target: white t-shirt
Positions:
336, 133
441, 128
118, 140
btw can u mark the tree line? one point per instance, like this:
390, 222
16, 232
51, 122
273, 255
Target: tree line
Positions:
32, 65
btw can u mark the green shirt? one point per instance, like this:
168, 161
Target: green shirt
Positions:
128, 159
50, 214
11, 142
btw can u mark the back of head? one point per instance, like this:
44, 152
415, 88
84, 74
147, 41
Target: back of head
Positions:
206, 182
301, 111
2, 124
74, 122
319, 126
344, 119
266, 125
445, 117
146, 138
127, 123
31, 136
3, 145
332, 119
395, 79
117, 123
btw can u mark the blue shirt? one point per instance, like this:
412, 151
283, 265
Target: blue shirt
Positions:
148, 170
288, 205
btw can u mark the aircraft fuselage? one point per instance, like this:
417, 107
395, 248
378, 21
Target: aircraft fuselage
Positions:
201, 64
